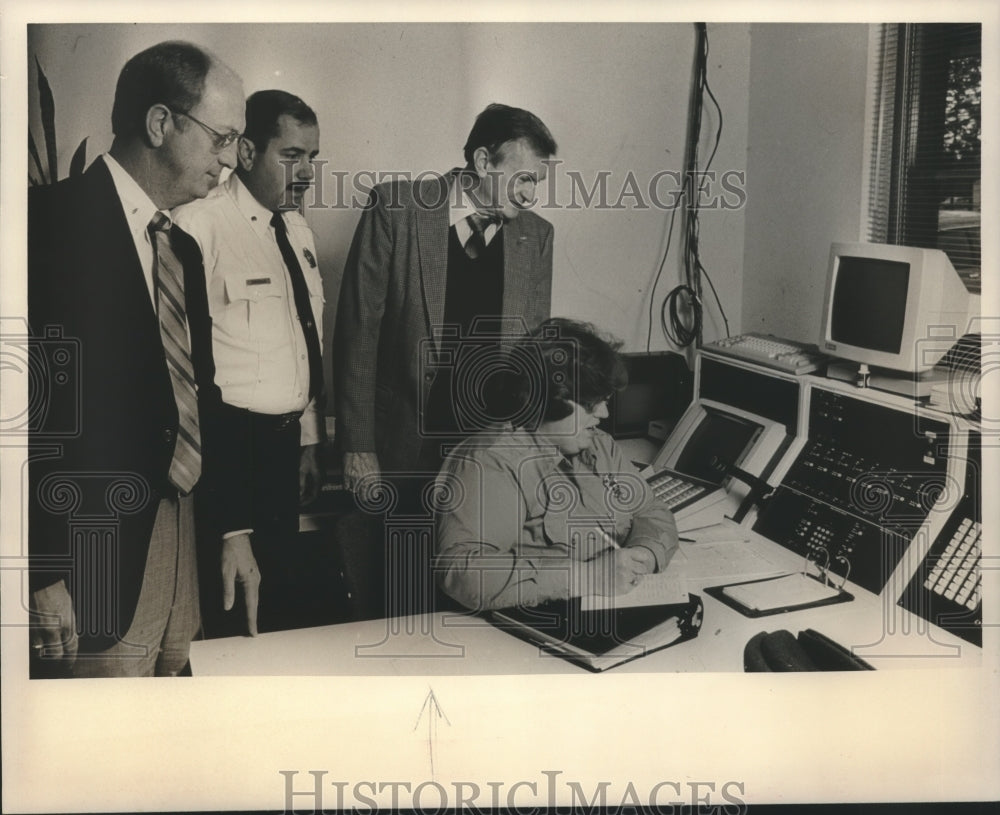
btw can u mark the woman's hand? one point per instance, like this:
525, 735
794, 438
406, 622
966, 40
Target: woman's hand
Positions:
616, 572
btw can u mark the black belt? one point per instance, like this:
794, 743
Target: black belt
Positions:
269, 421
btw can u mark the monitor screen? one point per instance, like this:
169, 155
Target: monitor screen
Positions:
896, 308
869, 303
719, 435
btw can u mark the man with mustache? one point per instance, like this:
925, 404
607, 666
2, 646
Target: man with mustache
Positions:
266, 301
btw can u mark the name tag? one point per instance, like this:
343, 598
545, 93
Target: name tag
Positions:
258, 281
309, 257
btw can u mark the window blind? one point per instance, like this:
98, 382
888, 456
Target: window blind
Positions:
925, 140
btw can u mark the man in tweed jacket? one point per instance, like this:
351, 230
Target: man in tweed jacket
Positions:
413, 285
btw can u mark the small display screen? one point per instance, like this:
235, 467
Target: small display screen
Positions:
869, 303
718, 435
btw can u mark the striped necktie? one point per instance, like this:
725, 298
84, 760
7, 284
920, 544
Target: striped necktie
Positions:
168, 274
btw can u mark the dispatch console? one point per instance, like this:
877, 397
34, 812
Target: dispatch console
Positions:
946, 588
861, 487
856, 481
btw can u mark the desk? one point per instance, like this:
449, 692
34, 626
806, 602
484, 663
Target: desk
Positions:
446, 643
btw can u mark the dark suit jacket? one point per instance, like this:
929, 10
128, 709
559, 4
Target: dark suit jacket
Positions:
104, 423
393, 292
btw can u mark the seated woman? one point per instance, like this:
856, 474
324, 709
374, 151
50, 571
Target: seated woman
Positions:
549, 507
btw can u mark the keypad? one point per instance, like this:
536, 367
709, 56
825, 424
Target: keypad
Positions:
955, 575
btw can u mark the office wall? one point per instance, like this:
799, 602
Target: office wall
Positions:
616, 97
402, 97
805, 153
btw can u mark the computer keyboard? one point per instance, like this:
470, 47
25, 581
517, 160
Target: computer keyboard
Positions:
676, 490
772, 352
955, 575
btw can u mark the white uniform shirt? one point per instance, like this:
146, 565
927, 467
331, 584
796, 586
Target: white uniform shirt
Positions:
261, 361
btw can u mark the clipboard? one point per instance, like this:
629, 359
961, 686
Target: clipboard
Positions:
776, 595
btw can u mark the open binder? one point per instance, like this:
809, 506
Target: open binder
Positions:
776, 595
601, 638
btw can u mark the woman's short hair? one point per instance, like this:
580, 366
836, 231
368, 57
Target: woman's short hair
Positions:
563, 362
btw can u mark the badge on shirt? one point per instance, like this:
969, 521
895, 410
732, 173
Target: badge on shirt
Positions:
614, 487
310, 258
258, 281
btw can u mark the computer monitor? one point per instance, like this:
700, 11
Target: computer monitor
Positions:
659, 389
721, 435
741, 416
894, 307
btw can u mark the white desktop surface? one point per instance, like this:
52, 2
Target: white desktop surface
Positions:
446, 643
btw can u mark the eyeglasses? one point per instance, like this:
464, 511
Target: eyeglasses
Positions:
220, 141
592, 405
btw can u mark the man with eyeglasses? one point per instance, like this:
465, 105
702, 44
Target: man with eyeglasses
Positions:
265, 295
117, 450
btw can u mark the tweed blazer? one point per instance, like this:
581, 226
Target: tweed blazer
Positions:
392, 298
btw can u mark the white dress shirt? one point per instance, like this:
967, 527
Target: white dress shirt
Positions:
139, 210
261, 361
459, 209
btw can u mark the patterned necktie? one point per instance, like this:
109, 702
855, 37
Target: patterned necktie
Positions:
302, 306
168, 274
475, 246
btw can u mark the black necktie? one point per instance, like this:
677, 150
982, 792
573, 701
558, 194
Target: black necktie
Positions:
302, 306
475, 246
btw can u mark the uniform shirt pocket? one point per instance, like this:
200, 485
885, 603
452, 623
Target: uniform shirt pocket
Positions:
255, 307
